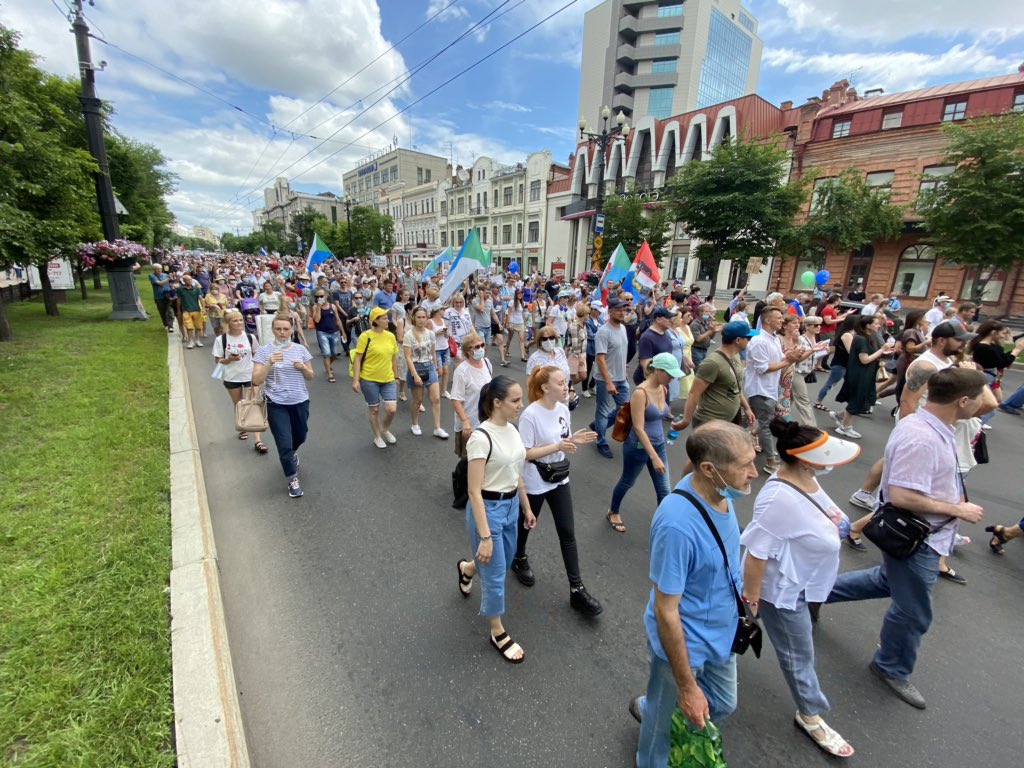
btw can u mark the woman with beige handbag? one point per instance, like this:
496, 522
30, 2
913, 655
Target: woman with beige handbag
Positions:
577, 349
233, 352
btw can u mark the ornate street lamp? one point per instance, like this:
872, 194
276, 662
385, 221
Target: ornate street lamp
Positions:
603, 139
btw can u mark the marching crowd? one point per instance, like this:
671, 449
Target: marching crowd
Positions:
743, 389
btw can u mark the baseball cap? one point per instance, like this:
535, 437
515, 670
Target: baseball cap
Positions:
942, 299
665, 361
566, 293
596, 304
664, 312
827, 451
949, 331
614, 302
737, 329
375, 313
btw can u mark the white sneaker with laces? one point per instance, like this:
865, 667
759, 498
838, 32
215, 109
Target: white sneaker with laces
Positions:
447, 395
837, 418
849, 432
440, 433
415, 429
586, 393
199, 343
379, 442
191, 345
391, 439
864, 500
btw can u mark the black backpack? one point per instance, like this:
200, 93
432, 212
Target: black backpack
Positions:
460, 475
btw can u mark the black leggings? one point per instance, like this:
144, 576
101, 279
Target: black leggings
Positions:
588, 383
560, 501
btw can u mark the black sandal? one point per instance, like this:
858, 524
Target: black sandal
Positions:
504, 645
820, 407
999, 536
465, 582
260, 447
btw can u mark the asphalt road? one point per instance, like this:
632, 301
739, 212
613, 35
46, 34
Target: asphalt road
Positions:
353, 647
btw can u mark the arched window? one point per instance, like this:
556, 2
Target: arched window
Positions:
914, 273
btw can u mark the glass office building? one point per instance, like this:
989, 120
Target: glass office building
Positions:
723, 75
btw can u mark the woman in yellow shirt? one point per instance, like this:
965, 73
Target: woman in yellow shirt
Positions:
374, 371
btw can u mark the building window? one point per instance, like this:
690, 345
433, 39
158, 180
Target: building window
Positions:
444, 239
520, 194
994, 281
659, 103
1018, 101
746, 21
881, 181
667, 38
506, 234
376, 179
892, 120
426, 174
724, 71
461, 206
954, 110
507, 196
841, 128
914, 273
803, 265
419, 175
663, 65
932, 176
462, 237
485, 200
483, 235
519, 233
534, 191
533, 232
444, 207
494, 234
819, 185
668, 8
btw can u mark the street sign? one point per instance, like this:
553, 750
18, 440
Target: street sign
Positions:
599, 224
598, 242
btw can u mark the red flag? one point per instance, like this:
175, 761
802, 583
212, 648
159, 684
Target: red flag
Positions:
647, 272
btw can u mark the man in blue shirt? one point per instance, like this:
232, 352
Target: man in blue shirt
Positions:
691, 615
161, 295
384, 298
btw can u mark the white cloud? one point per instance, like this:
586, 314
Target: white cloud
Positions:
894, 71
506, 106
890, 20
449, 14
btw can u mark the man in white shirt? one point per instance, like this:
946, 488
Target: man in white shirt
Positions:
765, 363
937, 313
873, 305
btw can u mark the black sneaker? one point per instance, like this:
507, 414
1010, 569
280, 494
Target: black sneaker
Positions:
584, 602
521, 568
294, 489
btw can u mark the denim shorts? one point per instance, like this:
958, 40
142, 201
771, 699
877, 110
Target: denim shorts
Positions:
485, 334
375, 391
443, 356
330, 343
427, 373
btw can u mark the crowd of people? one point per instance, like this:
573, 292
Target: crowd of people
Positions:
739, 385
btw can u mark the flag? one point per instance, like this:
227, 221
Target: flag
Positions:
647, 273
318, 253
470, 259
614, 271
444, 257
263, 252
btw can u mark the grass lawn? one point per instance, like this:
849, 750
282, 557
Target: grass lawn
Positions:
85, 657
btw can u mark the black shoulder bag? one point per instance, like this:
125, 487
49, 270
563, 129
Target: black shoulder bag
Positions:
748, 631
460, 475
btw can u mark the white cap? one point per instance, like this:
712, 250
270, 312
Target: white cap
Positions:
826, 451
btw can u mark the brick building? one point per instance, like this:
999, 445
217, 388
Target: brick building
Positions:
896, 140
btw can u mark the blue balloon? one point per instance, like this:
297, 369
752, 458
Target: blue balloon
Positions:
822, 277
513, 268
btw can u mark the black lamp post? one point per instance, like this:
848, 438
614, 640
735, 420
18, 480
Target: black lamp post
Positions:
602, 140
348, 220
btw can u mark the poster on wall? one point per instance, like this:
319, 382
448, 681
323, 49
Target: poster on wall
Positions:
558, 270
61, 276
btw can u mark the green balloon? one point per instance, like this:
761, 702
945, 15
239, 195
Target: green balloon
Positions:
807, 278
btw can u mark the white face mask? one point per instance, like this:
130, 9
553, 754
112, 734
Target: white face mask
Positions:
547, 345
823, 471
478, 354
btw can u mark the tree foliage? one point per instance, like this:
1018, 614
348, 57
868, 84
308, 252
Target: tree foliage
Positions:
975, 215
627, 220
307, 222
371, 232
142, 183
845, 214
736, 202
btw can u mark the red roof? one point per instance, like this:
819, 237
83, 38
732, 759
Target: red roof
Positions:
937, 91
559, 185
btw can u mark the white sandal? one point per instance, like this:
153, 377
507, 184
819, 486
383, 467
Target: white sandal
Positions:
834, 744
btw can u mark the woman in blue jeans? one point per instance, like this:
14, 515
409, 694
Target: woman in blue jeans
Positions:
282, 368
840, 360
645, 444
792, 560
496, 492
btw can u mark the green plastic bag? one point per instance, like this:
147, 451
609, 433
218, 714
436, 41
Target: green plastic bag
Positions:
689, 748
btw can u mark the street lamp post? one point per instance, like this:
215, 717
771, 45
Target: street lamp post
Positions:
348, 220
603, 139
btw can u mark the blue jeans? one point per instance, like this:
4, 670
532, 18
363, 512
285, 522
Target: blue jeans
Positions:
503, 520
634, 458
697, 354
717, 681
607, 406
909, 584
834, 377
288, 425
790, 633
1016, 400
484, 333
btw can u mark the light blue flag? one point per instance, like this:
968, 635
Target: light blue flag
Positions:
444, 257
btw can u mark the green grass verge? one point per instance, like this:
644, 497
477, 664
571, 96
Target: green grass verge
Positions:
85, 661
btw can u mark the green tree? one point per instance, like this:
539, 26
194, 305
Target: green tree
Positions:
371, 231
736, 202
845, 214
274, 237
627, 220
975, 215
142, 183
47, 197
305, 223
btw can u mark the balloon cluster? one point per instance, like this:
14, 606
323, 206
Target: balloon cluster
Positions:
819, 278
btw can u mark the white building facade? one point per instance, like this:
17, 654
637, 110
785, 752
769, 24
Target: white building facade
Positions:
281, 203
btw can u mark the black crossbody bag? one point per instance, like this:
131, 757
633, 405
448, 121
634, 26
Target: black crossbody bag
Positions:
552, 471
748, 631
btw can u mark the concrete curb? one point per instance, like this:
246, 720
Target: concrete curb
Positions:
207, 715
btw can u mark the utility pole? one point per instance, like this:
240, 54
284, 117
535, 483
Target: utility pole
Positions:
94, 127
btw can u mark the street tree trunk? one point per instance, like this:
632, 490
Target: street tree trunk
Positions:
81, 281
49, 299
96, 282
6, 334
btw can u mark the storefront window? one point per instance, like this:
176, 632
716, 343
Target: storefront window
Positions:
995, 279
914, 273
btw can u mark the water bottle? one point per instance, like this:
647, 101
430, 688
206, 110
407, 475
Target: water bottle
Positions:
672, 437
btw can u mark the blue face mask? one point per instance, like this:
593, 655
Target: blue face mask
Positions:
281, 344
726, 491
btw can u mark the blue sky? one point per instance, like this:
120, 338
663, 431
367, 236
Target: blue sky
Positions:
262, 65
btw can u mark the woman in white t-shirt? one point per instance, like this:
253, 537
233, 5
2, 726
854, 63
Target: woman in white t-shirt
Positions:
792, 560
270, 302
469, 378
441, 351
418, 347
546, 431
233, 349
496, 494
457, 318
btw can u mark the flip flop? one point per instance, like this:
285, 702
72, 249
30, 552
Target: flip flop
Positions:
619, 527
820, 407
331, 379
243, 435
834, 744
504, 645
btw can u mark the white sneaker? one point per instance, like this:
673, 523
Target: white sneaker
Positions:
849, 432
837, 418
415, 429
440, 433
864, 500
422, 409
586, 393
391, 439
191, 345
446, 395
379, 442
986, 427
199, 343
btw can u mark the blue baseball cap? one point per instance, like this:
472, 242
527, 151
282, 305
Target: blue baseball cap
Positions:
737, 329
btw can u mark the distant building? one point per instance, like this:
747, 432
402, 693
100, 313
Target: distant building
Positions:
378, 175
281, 203
665, 57
205, 233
